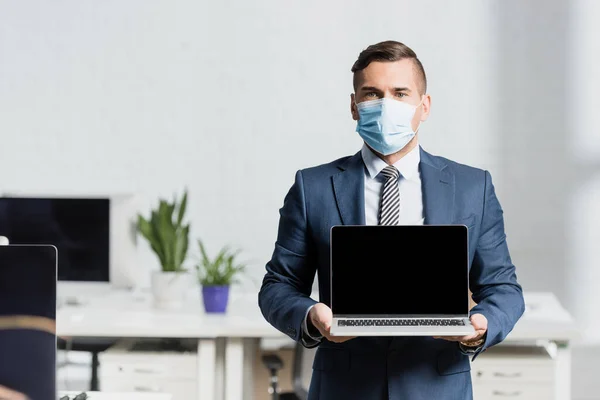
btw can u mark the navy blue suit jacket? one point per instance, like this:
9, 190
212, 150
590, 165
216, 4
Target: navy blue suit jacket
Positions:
415, 368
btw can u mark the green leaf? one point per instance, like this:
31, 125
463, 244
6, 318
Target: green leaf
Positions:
182, 208
167, 238
221, 270
205, 260
181, 245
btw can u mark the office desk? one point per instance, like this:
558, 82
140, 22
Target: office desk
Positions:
227, 343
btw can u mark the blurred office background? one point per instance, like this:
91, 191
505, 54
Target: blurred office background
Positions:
230, 98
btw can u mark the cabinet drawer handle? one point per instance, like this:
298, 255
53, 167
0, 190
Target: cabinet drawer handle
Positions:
505, 375
145, 371
506, 394
145, 389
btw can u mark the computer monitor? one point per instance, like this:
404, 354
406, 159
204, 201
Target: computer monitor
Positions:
95, 236
78, 227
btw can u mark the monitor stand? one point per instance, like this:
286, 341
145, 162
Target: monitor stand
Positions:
74, 293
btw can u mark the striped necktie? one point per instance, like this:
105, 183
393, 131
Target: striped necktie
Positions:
389, 210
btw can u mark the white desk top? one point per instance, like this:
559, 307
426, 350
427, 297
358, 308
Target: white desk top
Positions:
544, 318
124, 314
121, 396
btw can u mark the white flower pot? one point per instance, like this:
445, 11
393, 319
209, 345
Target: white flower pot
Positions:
169, 289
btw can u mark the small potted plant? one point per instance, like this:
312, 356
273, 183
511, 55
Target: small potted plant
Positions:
216, 276
169, 238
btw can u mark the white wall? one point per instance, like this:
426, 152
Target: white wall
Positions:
530, 127
583, 79
228, 98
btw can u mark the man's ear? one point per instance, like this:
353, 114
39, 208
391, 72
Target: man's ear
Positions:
426, 107
353, 109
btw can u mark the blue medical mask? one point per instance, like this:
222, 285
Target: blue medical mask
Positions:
385, 124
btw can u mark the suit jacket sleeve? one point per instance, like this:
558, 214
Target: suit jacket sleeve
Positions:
284, 297
492, 277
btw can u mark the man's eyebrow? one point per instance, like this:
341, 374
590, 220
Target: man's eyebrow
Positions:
374, 89
370, 89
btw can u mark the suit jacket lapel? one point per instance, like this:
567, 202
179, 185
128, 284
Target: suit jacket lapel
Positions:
437, 184
349, 189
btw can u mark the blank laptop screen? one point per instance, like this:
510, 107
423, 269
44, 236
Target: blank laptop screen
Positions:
399, 270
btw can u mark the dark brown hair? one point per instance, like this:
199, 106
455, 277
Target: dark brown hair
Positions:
388, 51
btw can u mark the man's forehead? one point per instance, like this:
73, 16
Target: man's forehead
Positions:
390, 73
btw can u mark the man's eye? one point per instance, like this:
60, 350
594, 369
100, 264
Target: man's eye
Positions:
371, 94
400, 94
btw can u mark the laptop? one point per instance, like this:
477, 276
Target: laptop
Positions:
402, 280
28, 319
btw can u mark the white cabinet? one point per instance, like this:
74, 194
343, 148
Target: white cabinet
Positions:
513, 372
119, 396
132, 366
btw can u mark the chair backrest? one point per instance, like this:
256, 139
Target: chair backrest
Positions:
302, 371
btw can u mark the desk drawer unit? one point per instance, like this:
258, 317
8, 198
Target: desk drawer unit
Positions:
126, 368
513, 372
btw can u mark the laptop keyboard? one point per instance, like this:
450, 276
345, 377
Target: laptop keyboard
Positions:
401, 322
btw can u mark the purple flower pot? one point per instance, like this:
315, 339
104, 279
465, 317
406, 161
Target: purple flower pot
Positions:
215, 298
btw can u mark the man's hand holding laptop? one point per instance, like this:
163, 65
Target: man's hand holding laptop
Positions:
480, 323
320, 316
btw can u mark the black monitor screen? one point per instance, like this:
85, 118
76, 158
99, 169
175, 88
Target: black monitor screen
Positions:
78, 227
399, 270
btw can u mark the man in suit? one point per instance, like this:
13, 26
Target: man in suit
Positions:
392, 180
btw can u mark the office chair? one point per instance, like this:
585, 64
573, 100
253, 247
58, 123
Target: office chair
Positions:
301, 373
90, 345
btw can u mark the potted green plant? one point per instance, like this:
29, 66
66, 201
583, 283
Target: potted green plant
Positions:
168, 237
216, 276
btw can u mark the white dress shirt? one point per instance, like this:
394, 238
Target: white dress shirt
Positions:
411, 194
411, 198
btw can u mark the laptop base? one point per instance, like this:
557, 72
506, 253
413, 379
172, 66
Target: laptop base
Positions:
465, 330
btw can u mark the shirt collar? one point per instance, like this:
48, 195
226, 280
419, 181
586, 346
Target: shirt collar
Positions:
408, 165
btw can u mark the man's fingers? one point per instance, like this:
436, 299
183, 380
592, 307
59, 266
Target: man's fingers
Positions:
479, 322
323, 327
339, 339
8, 394
458, 338
321, 318
449, 338
470, 338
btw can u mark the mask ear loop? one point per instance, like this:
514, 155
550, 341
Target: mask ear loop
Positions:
417, 106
